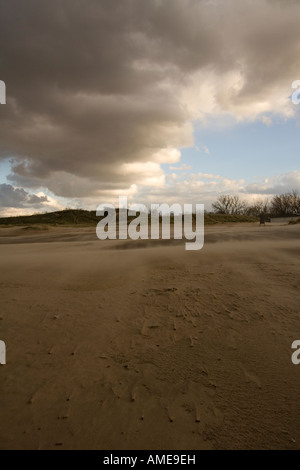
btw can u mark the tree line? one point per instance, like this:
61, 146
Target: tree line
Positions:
280, 205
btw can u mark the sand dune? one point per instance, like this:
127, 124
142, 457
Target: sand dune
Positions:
143, 345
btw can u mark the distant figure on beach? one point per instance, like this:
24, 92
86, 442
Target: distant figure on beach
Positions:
262, 220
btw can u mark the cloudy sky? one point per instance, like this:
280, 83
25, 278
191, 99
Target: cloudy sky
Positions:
159, 100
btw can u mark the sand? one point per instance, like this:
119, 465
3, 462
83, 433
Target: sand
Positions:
144, 345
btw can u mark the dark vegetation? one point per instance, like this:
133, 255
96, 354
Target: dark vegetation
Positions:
88, 218
226, 209
280, 205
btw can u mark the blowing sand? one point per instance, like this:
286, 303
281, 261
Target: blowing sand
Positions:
144, 345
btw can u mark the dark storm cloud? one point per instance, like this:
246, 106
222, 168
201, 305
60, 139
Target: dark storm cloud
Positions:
15, 197
95, 84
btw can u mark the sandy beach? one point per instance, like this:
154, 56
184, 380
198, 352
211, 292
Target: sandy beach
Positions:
144, 345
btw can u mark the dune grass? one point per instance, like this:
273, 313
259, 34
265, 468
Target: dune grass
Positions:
82, 217
211, 218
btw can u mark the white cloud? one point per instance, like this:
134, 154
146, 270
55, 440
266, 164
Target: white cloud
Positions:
267, 120
182, 167
147, 174
203, 148
166, 155
276, 184
205, 188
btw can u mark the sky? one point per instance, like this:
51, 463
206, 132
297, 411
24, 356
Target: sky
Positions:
161, 101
